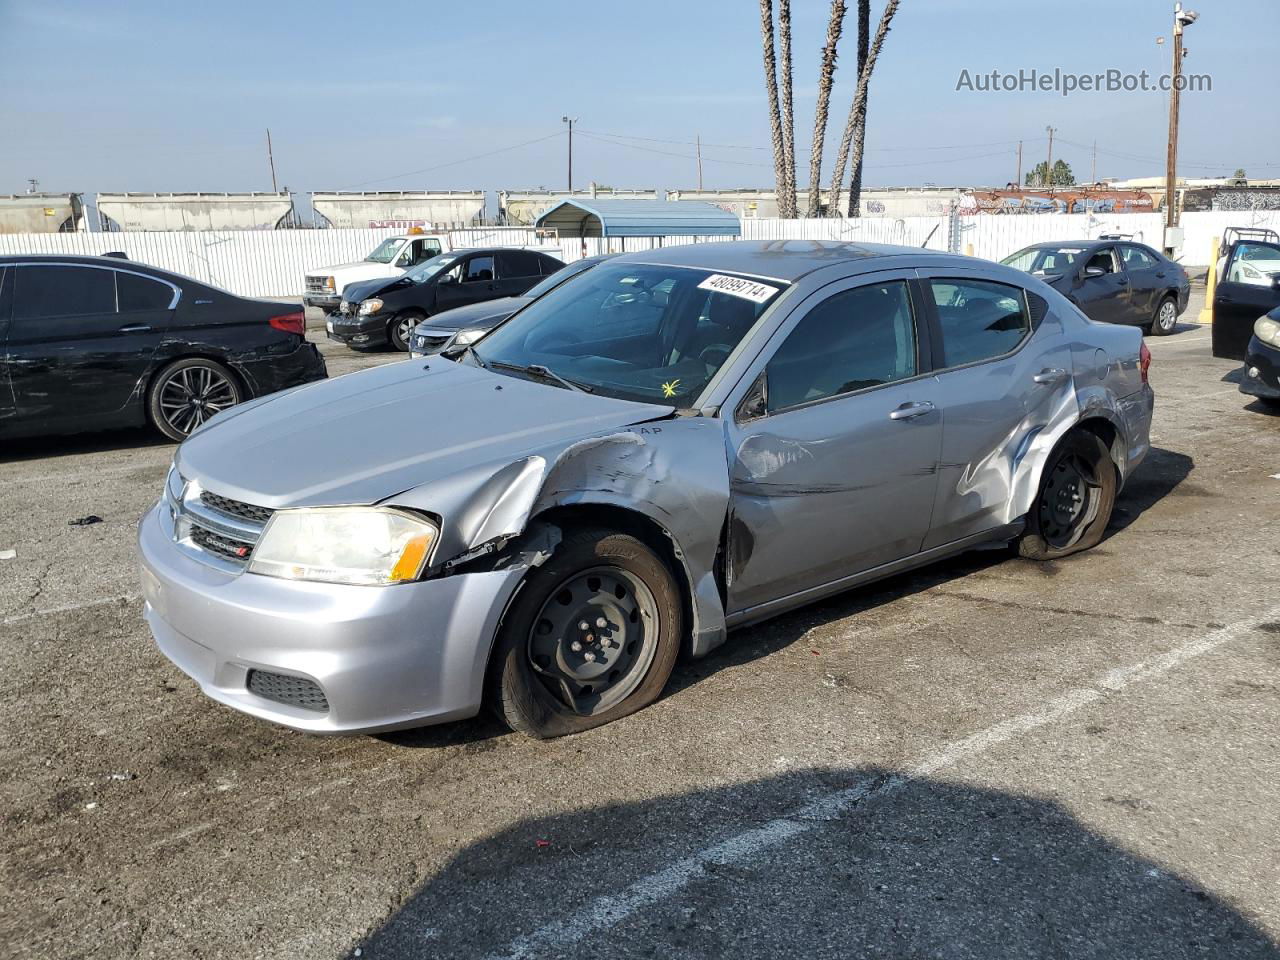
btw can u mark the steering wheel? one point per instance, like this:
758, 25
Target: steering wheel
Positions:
719, 353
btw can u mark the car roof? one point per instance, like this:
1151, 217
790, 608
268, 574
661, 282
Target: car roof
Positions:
122, 262
786, 260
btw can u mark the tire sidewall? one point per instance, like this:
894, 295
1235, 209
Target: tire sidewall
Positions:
516, 692
393, 329
1032, 544
153, 394
1158, 330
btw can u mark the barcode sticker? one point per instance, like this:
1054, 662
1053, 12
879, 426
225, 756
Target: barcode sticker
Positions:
752, 290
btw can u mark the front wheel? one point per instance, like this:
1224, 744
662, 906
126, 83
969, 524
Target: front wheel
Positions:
1166, 318
592, 636
1077, 494
400, 328
187, 393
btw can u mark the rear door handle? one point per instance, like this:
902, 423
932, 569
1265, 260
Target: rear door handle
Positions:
1050, 375
135, 328
909, 411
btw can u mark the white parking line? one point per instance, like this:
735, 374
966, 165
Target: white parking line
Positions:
1174, 343
66, 608
557, 937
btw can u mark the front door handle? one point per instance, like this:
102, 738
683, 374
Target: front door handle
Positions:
1050, 375
135, 328
909, 411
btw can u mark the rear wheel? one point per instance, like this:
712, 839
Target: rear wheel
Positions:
592, 636
1166, 317
401, 326
1077, 494
187, 393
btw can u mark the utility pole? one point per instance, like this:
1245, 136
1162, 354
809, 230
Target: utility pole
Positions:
1181, 19
1048, 166
33, 185
1017, 181
1093, 168
272, 161
570, 121
698, 138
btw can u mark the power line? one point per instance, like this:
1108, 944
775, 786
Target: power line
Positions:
739, 146
453, 163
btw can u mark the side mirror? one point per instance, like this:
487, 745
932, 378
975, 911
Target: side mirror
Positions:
447, 279
1094, 272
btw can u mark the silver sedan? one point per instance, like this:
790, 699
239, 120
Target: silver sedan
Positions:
671, 445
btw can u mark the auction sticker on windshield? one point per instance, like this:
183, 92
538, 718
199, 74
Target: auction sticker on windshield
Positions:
751, 290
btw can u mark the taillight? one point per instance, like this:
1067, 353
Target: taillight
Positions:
297, 323
1144, 361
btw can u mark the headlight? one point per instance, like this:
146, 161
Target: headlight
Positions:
1250, 272
370, 306
1267, 330
356, 545
465, 337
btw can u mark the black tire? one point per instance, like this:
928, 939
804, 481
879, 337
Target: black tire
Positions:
1165, 320
538, 685
188, 392
1058, 524
400, 326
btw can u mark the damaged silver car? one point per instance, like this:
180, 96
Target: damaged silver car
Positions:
671, 445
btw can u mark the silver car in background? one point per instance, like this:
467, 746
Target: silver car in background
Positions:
671, 445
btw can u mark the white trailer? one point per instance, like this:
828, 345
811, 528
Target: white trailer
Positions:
41, 213
194, 211
400, 209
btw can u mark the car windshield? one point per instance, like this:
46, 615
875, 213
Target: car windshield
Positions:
385, 252
560, 276
429, 268
633, 331
1045, 261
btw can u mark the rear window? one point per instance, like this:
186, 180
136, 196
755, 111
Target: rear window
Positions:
980, 319
136, 293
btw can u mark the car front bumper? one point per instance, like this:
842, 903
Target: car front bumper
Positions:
1260, 376
384, 657
357, 331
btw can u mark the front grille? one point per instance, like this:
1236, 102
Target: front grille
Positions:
235, 508
223, 546
431, 342
318, 285
293, 691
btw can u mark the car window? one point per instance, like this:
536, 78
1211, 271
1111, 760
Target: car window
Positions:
1045, 261
1103, 260
549, 265
134, 293
479, 269
552, 280
63, 292
428, 247
1254, 263
856, 339
518, 263
647, 332
1136, 258
385, 251
980, 319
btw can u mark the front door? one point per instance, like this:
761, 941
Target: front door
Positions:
473, 280
1149, 279
1246, 290
1103, 291
834, 453
72, 352
7, 407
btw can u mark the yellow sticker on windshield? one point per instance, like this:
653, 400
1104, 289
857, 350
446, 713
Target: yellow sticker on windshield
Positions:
669, 388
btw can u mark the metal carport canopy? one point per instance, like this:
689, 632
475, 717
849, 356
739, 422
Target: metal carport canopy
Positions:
588, 217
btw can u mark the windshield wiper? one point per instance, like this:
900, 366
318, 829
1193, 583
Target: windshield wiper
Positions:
543, 373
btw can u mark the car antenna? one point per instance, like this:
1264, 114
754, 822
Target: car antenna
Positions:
930, 236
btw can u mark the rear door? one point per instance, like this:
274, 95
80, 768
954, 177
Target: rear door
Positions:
72, 352
7, 407
1246, 290
1004, 375
1103, 293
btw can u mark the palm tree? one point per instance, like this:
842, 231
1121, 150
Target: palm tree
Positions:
826, 77
858, 109
787, 196
864, 43
771, 89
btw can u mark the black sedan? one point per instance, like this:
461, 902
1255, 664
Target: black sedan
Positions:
462, 326
93, 342
376, 312
1112, 280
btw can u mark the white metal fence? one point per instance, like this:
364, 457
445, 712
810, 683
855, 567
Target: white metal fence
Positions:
264, 263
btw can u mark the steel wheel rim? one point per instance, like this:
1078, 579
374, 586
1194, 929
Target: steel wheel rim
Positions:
190, 396
1069, 502
610, 661
1168, 316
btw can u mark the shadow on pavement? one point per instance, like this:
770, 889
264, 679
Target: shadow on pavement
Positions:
1161, 473
38, 448
919, 869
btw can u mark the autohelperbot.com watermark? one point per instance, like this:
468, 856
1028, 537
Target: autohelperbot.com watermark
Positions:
1065, 82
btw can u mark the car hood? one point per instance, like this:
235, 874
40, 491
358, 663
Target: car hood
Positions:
367, 436
474, 315
364, 289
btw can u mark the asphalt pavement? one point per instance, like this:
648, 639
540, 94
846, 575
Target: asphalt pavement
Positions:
987, 758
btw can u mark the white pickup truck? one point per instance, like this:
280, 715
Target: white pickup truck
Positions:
394, 255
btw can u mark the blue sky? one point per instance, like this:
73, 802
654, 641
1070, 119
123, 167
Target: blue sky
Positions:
162, 96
